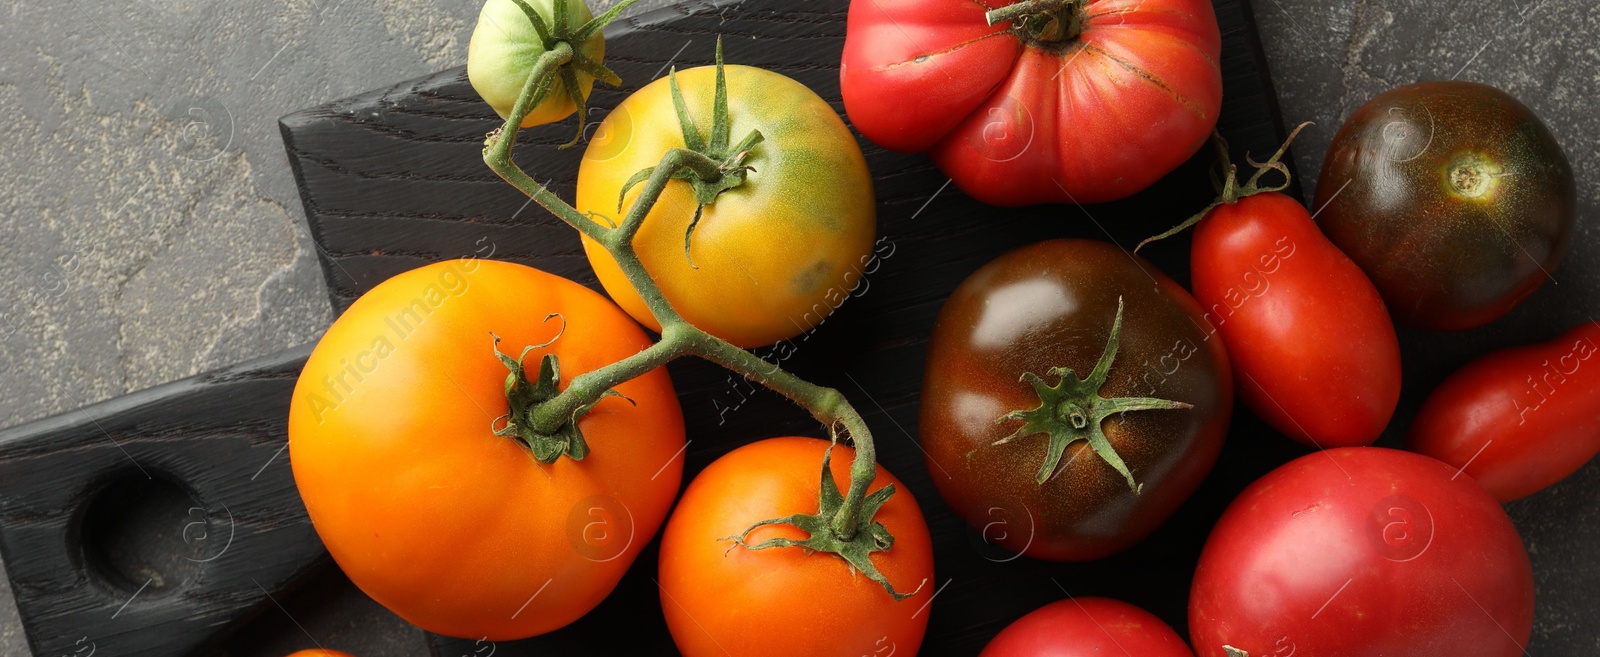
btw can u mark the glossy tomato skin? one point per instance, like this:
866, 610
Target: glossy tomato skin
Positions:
1087, 627
1048, 305
1312, 346
1017, 121
1518, 420
772, 257
432, 515
504, 48
784, 602
1363, 551
1453, 197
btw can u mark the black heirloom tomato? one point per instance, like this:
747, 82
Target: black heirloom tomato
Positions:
1072, 399
1452, 196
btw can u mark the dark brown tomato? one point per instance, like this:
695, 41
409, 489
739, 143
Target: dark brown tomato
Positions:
1053, 305
1452, 196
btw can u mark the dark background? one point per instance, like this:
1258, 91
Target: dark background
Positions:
152, 230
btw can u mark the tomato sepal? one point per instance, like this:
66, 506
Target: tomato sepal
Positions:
855, 550
524, 396
1072, 410
730, 170
1043, 22
1229, 189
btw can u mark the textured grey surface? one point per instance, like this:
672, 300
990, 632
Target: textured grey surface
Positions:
151, 230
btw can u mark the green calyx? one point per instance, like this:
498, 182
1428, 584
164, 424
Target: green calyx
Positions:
731, 170
560, 30
1226, 181
1042, 22
856, 550
524, 395
1072, 410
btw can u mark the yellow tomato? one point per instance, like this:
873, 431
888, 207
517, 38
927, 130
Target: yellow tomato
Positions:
771, 257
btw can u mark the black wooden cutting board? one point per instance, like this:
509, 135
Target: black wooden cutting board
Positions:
154, 523
393, 179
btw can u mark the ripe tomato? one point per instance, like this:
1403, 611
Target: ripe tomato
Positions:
1054, 305
721, 600
1453, 197
319, 652
1517, 420
1080, 102
1309, 338
505, 46
458, 530
1362, 551
1087, 627
771, 257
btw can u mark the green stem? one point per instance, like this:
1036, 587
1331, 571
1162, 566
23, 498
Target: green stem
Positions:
497, 151
1020, 9
1231, 189
678, 337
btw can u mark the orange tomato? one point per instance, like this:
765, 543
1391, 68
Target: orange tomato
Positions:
726, 602
453, 528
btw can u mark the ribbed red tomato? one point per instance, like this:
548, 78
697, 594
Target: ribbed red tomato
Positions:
1072, 101
1313, 349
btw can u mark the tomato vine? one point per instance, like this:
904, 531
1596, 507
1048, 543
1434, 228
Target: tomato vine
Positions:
844, 524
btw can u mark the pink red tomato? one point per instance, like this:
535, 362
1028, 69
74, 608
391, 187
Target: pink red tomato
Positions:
1313, 350
1363, 551
1518, 420
1082, 102
1087, 627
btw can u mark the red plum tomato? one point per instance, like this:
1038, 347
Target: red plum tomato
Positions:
1520, 419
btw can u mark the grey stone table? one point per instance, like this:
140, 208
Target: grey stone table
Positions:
150, 228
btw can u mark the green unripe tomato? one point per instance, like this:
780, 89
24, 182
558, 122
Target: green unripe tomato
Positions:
505, 47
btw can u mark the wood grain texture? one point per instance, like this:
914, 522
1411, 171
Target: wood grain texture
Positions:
153, 523
394, 179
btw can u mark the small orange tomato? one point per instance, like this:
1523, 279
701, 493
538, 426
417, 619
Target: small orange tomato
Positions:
727, 601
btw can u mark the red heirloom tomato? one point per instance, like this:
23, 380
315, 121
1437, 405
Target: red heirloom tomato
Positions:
1072, 101
1073, 466
1362, 551
722, 600
1087, 627
1454, 197
1518, 420
454, 528
1312, 345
